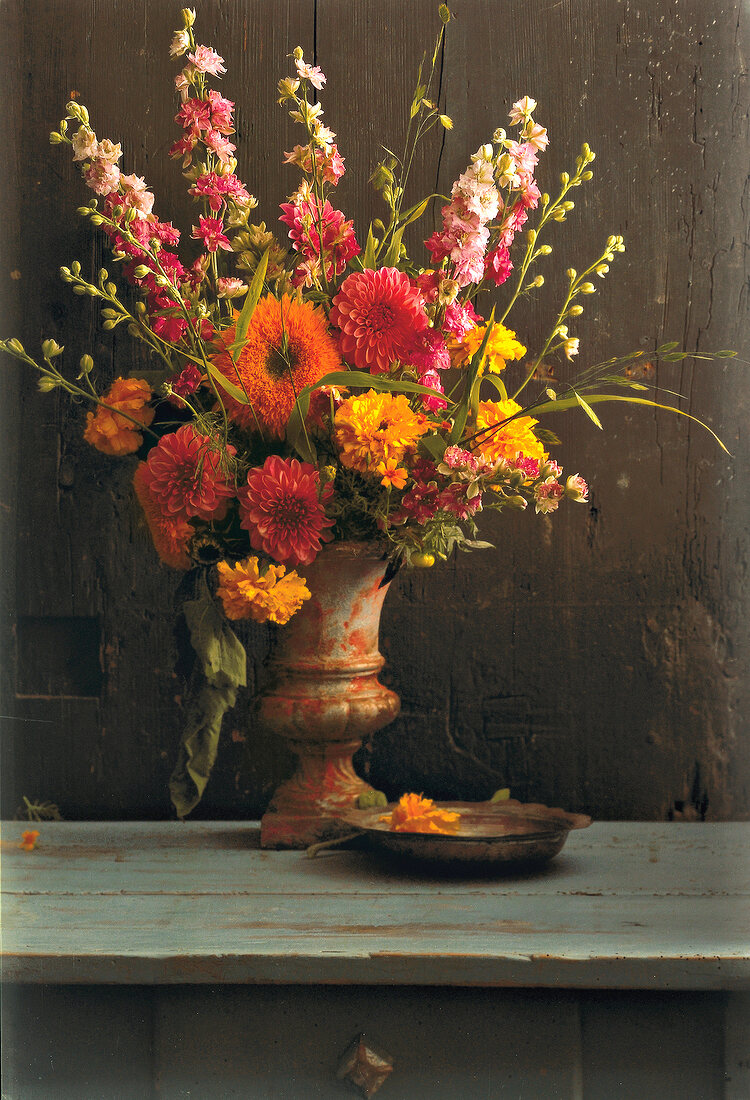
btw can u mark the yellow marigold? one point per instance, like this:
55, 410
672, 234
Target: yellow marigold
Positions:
273, 597
113, 434
375, 428
509, 440
415, 814
501, 346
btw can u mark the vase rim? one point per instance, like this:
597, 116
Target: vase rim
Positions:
355, 549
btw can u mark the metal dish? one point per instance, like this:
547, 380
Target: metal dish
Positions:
511, 833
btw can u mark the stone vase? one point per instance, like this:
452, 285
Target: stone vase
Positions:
324, 695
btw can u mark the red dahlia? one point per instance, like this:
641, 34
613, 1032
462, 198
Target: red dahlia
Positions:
381, 316
281, 509
185, 477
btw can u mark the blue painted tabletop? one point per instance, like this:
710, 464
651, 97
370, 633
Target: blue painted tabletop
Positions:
625, 905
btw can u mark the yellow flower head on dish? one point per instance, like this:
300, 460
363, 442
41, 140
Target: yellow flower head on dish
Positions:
415, 814
501, 347
497, 441
273, 596
377, 429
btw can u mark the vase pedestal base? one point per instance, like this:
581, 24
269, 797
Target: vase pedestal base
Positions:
303, 811
289, 830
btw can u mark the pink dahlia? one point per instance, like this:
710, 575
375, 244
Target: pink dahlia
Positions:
185, 478
283, 512
381, 317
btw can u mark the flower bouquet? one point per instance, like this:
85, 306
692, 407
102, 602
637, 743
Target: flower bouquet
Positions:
319, 398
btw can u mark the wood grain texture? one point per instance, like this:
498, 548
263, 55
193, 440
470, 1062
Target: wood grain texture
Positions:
597, 660
268, 1043
635, 906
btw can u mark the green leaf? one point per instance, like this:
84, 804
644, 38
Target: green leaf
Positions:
416, 211
220, 671
588, 410
667, 347
470, 399
544, 435
223, 381
563, 403
501, 796
499, 386
433, 446
394, 248
368, 256
251, 300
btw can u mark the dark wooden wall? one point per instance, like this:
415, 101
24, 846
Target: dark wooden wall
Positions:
598, 659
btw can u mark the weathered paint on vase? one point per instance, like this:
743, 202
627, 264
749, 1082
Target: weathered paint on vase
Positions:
325, 695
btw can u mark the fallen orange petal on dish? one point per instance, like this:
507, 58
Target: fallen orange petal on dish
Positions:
415, 814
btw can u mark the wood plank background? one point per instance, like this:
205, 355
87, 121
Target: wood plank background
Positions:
598, 659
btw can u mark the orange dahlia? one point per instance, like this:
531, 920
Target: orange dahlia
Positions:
373, 428
273, 596
287, 347
415, 814
497, 441
114, 434
170, 534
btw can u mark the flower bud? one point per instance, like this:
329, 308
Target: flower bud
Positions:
571, 273
97, 219
140, 308
587, 288
575, 311
531, 235
444, 13
446, 122
86, 364
55, 138
538, 280
141, 272
298, 53
161, 280
601, 270
564, 178
499, 136
46, 385
588, 175
15, 345
545, 250
75, 267
188, 17
50, 348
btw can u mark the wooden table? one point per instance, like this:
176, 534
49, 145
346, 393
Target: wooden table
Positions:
232, 971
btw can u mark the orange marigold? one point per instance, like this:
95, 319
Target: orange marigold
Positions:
273, 596
170, 533
416, 814
505, 442
288, 346
114, 434
373, 429
29, 838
